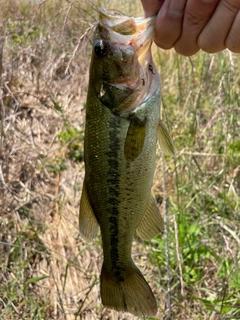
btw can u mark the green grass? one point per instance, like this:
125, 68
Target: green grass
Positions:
201, 105
46, 272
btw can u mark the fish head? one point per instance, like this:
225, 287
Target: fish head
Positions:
122, 71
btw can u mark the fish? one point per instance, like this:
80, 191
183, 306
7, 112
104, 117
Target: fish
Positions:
122, 128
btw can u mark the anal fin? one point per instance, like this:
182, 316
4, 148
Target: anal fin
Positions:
88, 225
152, 222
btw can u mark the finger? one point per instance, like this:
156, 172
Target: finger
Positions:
169, 23
196, 16
151, 7
233, 38
213, 36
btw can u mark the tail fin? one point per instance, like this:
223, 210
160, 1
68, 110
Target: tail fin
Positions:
130, 293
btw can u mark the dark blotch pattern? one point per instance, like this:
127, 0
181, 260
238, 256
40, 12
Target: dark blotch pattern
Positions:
113, 188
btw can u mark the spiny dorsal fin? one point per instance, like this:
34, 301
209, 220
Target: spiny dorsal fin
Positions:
152, 222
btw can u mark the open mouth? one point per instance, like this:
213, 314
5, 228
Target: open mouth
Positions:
138, 33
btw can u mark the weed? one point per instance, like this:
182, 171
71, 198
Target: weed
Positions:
73, 139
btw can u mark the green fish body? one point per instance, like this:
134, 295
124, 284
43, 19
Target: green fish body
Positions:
122, 127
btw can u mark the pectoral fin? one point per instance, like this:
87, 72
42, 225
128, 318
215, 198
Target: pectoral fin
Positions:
135, 139
152, 222
165, 140
88, 225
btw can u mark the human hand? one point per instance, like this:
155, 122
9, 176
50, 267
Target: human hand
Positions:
191, 25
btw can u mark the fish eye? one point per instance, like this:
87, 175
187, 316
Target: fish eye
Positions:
100, 48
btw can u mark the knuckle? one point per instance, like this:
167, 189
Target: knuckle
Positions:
195, 19
184, 50
231, 5
206, 45
164, 45
232, 45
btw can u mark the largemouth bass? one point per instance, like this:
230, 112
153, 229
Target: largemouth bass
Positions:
122, 126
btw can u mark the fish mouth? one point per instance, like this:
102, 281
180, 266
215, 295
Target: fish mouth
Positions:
137, 33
